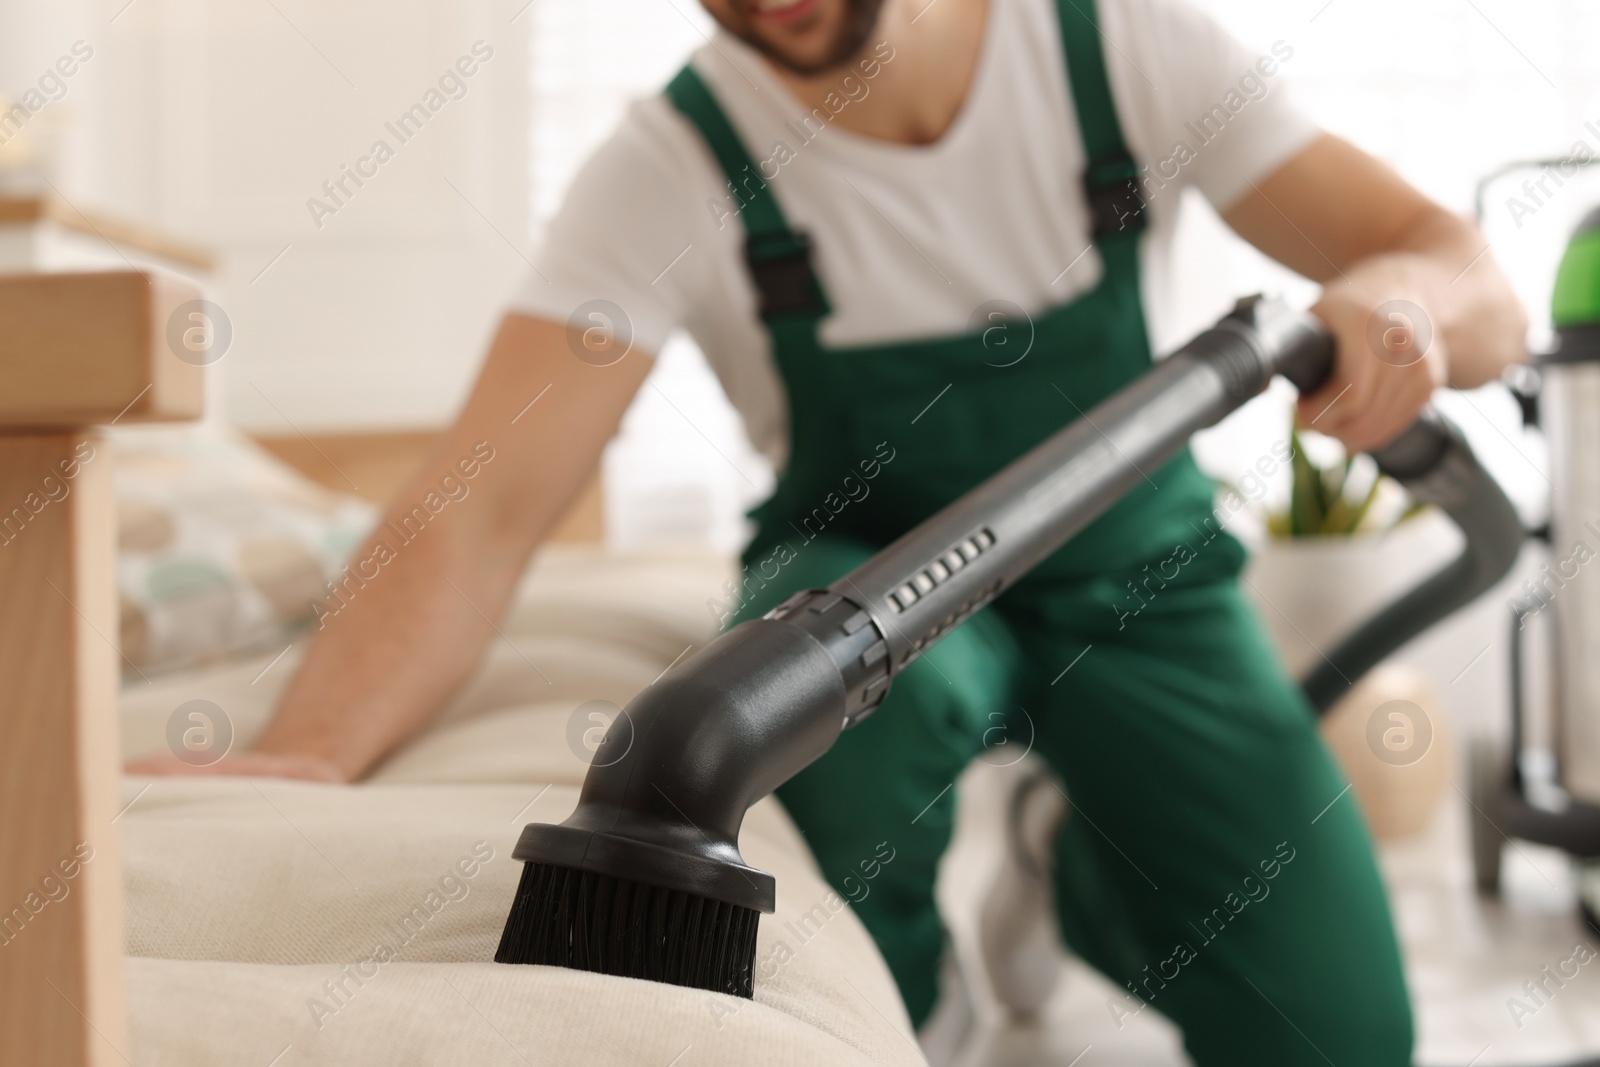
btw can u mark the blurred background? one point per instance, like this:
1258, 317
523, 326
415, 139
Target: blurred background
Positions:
195, 134
218, 122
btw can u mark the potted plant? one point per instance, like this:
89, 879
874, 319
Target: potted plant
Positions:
1345, 542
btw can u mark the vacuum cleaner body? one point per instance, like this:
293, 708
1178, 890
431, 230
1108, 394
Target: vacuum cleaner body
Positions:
1569, 413
645, 878
1557, 802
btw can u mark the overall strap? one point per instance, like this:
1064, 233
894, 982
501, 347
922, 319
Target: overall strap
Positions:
1111, 179
778, 256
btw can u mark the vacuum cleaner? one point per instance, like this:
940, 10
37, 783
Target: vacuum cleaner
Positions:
1516, 791
645, 879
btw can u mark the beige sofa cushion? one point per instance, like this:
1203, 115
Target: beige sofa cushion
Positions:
352, 924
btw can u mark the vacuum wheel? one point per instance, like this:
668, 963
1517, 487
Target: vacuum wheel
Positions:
1489, 770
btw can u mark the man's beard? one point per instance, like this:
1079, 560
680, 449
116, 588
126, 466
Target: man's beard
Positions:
860, 19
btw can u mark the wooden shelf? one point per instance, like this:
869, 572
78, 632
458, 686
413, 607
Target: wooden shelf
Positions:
34, 209
90, 348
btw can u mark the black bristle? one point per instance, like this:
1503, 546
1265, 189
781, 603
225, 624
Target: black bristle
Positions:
595, 922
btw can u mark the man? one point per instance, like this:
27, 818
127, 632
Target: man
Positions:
830, 199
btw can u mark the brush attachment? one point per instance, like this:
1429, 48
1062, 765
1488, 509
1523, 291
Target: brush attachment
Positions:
645, 879
595, 922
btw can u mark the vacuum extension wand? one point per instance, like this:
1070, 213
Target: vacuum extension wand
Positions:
645, 879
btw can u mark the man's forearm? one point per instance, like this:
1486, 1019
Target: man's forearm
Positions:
406, 639
1443, 264
398, 645
1339, 216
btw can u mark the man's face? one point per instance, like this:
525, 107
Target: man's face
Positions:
805, 36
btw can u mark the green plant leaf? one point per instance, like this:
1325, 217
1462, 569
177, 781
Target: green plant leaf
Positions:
1360, 513
1305, 498
1320, 502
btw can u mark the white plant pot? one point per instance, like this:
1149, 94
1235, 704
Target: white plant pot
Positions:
1313, 591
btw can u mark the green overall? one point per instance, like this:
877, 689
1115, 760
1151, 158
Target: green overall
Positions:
1207, 867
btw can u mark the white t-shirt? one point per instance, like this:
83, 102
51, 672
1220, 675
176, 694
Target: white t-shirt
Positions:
908, 241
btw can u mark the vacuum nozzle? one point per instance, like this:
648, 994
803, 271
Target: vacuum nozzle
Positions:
645, 879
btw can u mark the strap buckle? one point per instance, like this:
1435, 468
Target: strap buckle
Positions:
780, 268
1116, 203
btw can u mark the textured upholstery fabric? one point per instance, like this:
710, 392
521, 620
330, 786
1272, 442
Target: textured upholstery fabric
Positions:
353, 924
221, 548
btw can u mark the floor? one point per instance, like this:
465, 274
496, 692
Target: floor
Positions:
1465, 958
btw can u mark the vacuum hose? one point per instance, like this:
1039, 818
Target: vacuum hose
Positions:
1437, 467
645, 878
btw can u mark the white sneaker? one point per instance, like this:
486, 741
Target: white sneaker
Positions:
1017, 932
945, 1033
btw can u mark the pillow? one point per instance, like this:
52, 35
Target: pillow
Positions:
221, 548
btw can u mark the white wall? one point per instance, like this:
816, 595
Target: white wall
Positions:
217, 121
